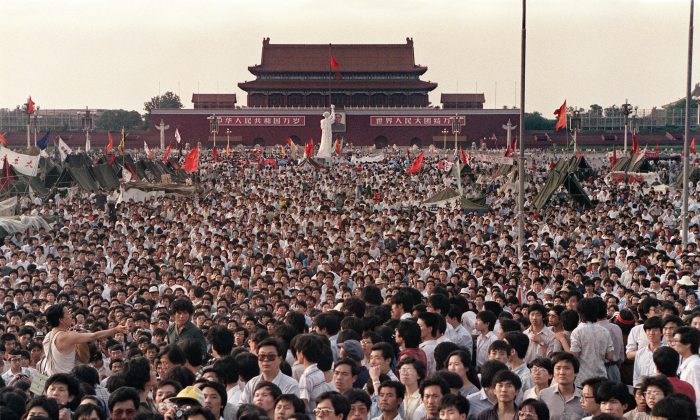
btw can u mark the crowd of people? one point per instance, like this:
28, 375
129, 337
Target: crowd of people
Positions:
303, 291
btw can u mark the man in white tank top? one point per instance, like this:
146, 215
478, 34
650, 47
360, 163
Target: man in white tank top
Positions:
60, 343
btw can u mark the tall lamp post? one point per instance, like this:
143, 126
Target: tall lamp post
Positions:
214, 126
575, 125
36, 123
87, 126
626, 111
444, 138
521, 157
684, 201
456, 128
228, 139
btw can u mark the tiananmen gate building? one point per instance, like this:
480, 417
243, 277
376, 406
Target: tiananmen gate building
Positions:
379, 97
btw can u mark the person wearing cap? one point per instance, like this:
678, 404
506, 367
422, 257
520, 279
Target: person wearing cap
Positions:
352, 349
16, 370
188, 397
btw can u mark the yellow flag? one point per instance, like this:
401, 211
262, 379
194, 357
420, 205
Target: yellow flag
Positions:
121, 143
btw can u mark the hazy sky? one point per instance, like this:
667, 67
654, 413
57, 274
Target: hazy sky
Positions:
117, 54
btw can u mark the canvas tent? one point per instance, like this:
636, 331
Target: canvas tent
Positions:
563, 174
638, 163
449, 197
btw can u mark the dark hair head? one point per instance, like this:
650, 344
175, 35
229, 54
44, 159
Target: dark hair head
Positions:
410, 332
540, 408
219, 388
357, 395
435, 381
70, 382
296, 402
659, 381
87, 374
182, 305
385, 348
442, 351
398, 387
667, 360
460, 403
418, 365
653, 323
339, 402
432, 321
174, 354
54, 314
309, 345
227, 369
221, 339
610, 390
566, 357
200, 411
507, 376
48, 404
489, 371
689, 335
675, 407
180, 374
124, 393
588, 309
248, 367
87, 409
137, 372
542, 362
519, 342
454, 381
536, 307
488, 318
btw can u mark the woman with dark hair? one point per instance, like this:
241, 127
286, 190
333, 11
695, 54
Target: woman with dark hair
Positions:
532, 409
411, 373
42, 406
460, 362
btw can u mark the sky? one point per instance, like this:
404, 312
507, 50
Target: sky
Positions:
118, 54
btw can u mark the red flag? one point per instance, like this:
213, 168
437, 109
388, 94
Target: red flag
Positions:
309, 149
463, 156
338, 147
657, 149
692, 146
167, 153
635, 145
613, 159
334, 63
3, 140
192, 160
561, 117
415, 167
215, 155
5, 175
30, 106
111, 159
110, 144
508, 151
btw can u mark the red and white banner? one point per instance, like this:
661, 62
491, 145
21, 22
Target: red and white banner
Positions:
24, 164
263, 121
411, 121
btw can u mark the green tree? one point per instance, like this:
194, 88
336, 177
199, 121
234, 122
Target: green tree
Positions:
596, 110
115, 119
535, 121
168, 100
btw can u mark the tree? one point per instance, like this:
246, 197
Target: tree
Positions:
596, 110
535, 121
115, 119
168, 100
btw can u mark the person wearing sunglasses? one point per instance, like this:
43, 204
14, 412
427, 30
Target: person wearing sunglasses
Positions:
270, 352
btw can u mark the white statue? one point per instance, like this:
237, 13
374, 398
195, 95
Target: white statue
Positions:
325, 148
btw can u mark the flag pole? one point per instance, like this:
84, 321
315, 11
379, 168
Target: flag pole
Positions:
521, 159
330, 73
684, 205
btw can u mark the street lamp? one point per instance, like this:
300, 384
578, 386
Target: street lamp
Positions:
36, 123
87, 126
575, 124
214, 126
444, 138
228, 139
626, 111
456, 128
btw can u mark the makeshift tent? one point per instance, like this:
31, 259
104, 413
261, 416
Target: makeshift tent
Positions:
563, 174
584, 169
449, 197
106, 176
637, 164
84, 177
693, 177
310, 162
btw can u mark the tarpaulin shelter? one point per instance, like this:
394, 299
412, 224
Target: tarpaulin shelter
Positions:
449, 197
638, 163
563, 174
693, 176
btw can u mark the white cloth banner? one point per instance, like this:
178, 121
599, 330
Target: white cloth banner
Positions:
367, 159
501, 160
24, 164
63, 149
7, 207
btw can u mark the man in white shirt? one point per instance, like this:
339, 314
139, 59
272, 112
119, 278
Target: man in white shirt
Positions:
686, 341
429, 324
269, 360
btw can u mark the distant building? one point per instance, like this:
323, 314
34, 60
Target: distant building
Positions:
214, 100
462, 100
